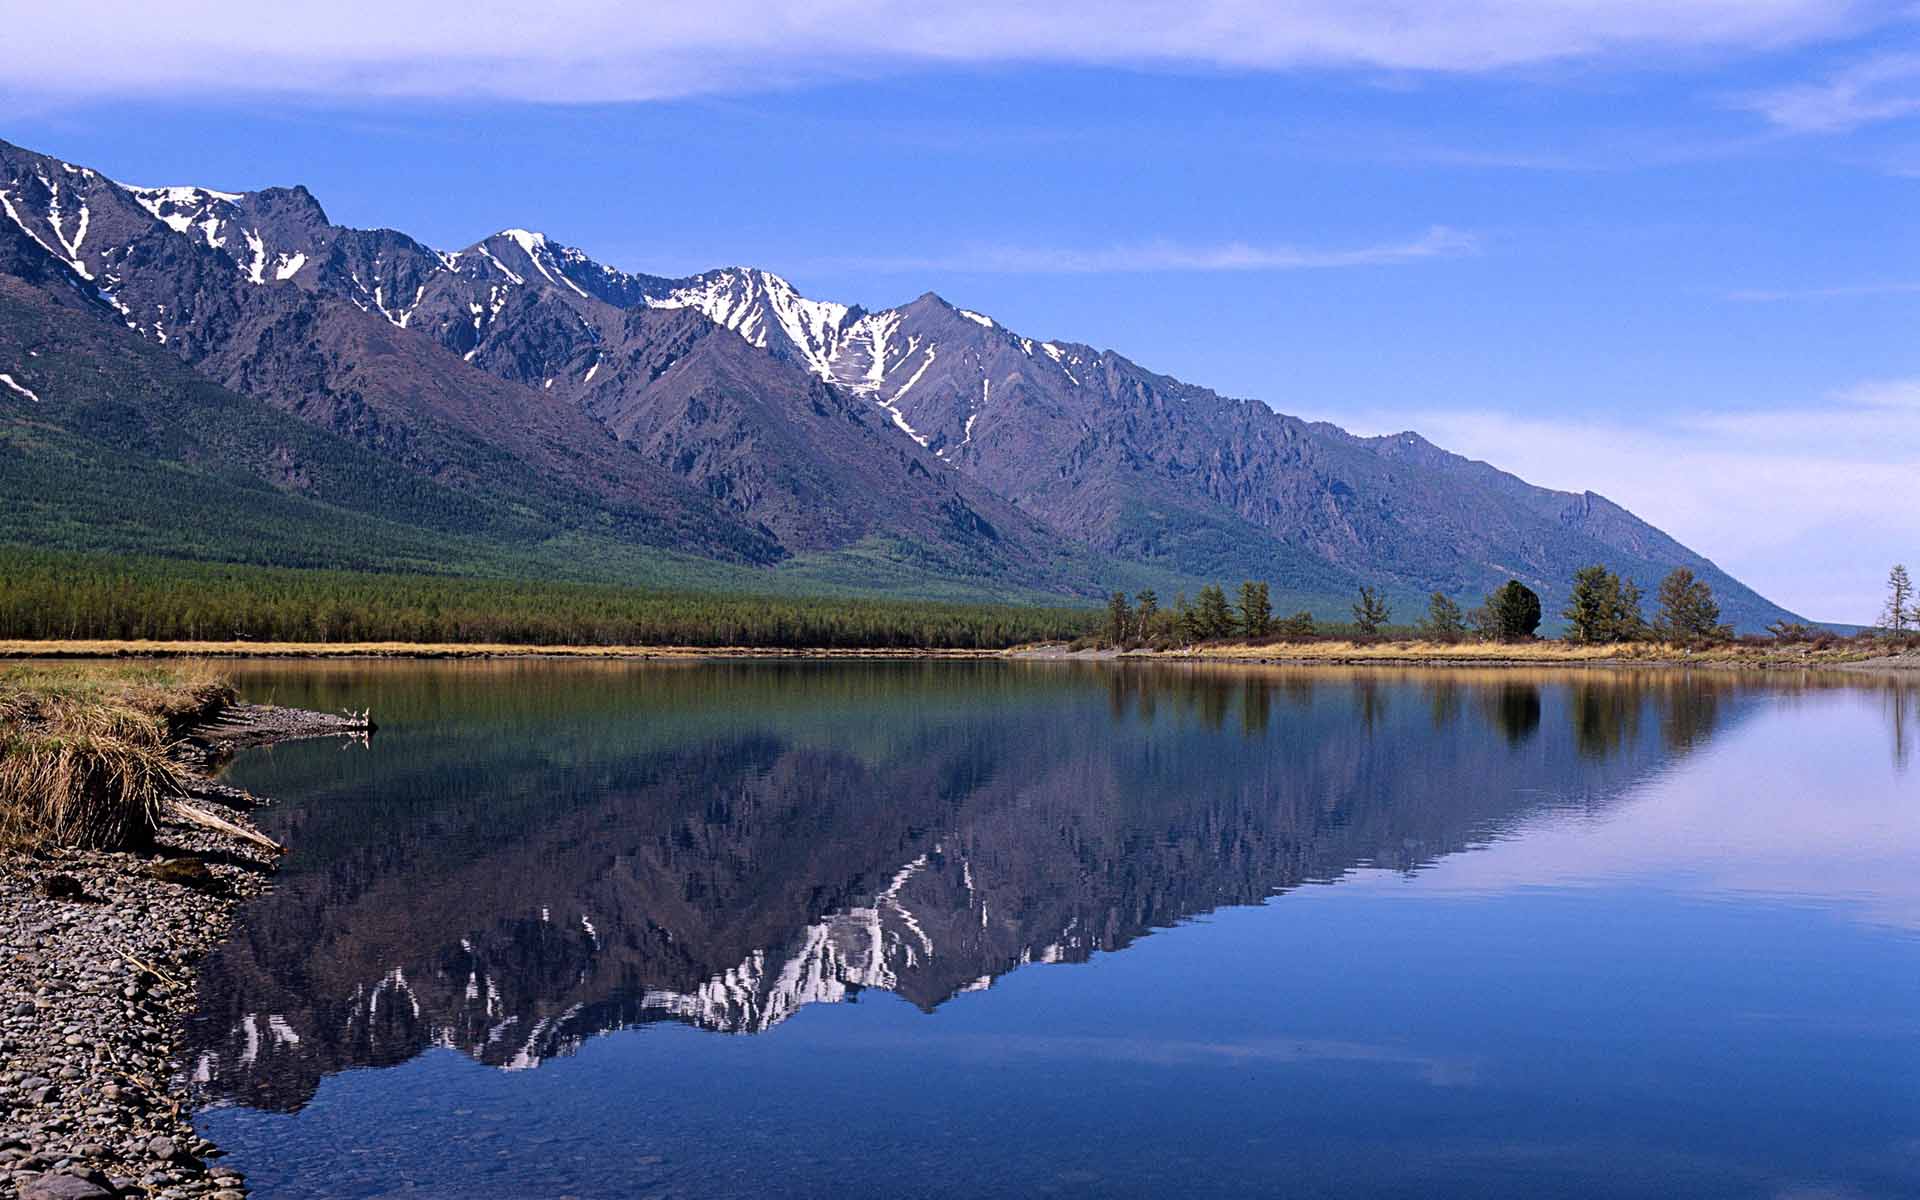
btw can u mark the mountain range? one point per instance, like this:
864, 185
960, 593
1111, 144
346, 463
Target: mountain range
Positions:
230, 375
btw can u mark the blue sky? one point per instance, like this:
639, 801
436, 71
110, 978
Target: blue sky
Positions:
1664, 251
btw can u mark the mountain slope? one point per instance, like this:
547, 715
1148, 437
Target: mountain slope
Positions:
352, 331
353, 374
1150, 469
754, 431
729, 416
110, 443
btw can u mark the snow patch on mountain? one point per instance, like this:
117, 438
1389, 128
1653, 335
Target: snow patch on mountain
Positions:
766, 310
19, 387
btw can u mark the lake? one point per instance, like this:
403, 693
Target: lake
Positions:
980, 929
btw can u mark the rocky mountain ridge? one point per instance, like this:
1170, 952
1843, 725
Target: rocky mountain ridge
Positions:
729, 415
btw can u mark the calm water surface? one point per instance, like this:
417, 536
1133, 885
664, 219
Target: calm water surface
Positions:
979, 930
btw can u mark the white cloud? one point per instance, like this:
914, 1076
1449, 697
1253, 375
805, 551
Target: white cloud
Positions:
1437, 242
1885, 87
1807, 506
602, 50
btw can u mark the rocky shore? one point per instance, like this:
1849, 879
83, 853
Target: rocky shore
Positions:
97, 958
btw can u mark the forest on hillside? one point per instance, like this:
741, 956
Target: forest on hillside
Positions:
46, 595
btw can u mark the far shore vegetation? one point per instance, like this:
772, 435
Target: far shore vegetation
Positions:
51, 595
1605, 619
85, 605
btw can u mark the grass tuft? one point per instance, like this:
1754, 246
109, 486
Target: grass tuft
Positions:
84, 749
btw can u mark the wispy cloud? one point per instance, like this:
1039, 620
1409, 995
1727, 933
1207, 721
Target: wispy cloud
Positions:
1885, 87
1808, 505
1837, 292
606, 50
1437, 242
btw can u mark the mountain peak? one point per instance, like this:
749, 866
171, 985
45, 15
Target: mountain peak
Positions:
926, 300
295, 205
527, 239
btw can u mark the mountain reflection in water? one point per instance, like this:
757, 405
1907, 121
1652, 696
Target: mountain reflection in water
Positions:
530, 854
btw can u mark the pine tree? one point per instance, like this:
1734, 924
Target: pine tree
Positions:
1214, 617
1147, 609
1688, 611
1899, 592
1256, 610
1370, 612
1119, 619
1186, 620
1629, 622
1603, 608
1445, 622
1589, 608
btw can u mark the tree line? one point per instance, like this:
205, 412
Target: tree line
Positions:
1602, 608
46, 595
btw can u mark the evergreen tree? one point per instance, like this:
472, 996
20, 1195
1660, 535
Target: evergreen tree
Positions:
1445, 622
1186, 621
1899, 592
1515, 611
1119, 619
1603, 608
1147, 609
1688, 611
1214, 617
1370, 612
1297, 627
1256, 611
1589, 609
1630, 623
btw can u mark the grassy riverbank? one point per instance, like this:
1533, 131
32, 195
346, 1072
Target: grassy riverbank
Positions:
84, 748
1544, 653
1858, 653
113, 885
1847, 654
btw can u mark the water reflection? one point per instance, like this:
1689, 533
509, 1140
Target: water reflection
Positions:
531, 854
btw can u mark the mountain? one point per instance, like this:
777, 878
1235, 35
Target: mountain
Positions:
1148, 469
728, 417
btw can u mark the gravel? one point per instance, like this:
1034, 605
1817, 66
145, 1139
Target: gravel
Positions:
98, 952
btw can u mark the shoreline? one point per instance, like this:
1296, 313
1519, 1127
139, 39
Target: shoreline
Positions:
100, 951
1305, 654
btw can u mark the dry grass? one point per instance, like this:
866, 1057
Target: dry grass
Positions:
81, 790
1542, 653
1423, 652
84, 748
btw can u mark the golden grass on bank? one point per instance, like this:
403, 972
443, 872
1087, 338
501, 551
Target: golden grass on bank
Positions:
84, 791
1439, 651
1540, 652
83, 748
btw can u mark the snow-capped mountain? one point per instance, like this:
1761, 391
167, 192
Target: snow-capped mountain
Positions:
927, 433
